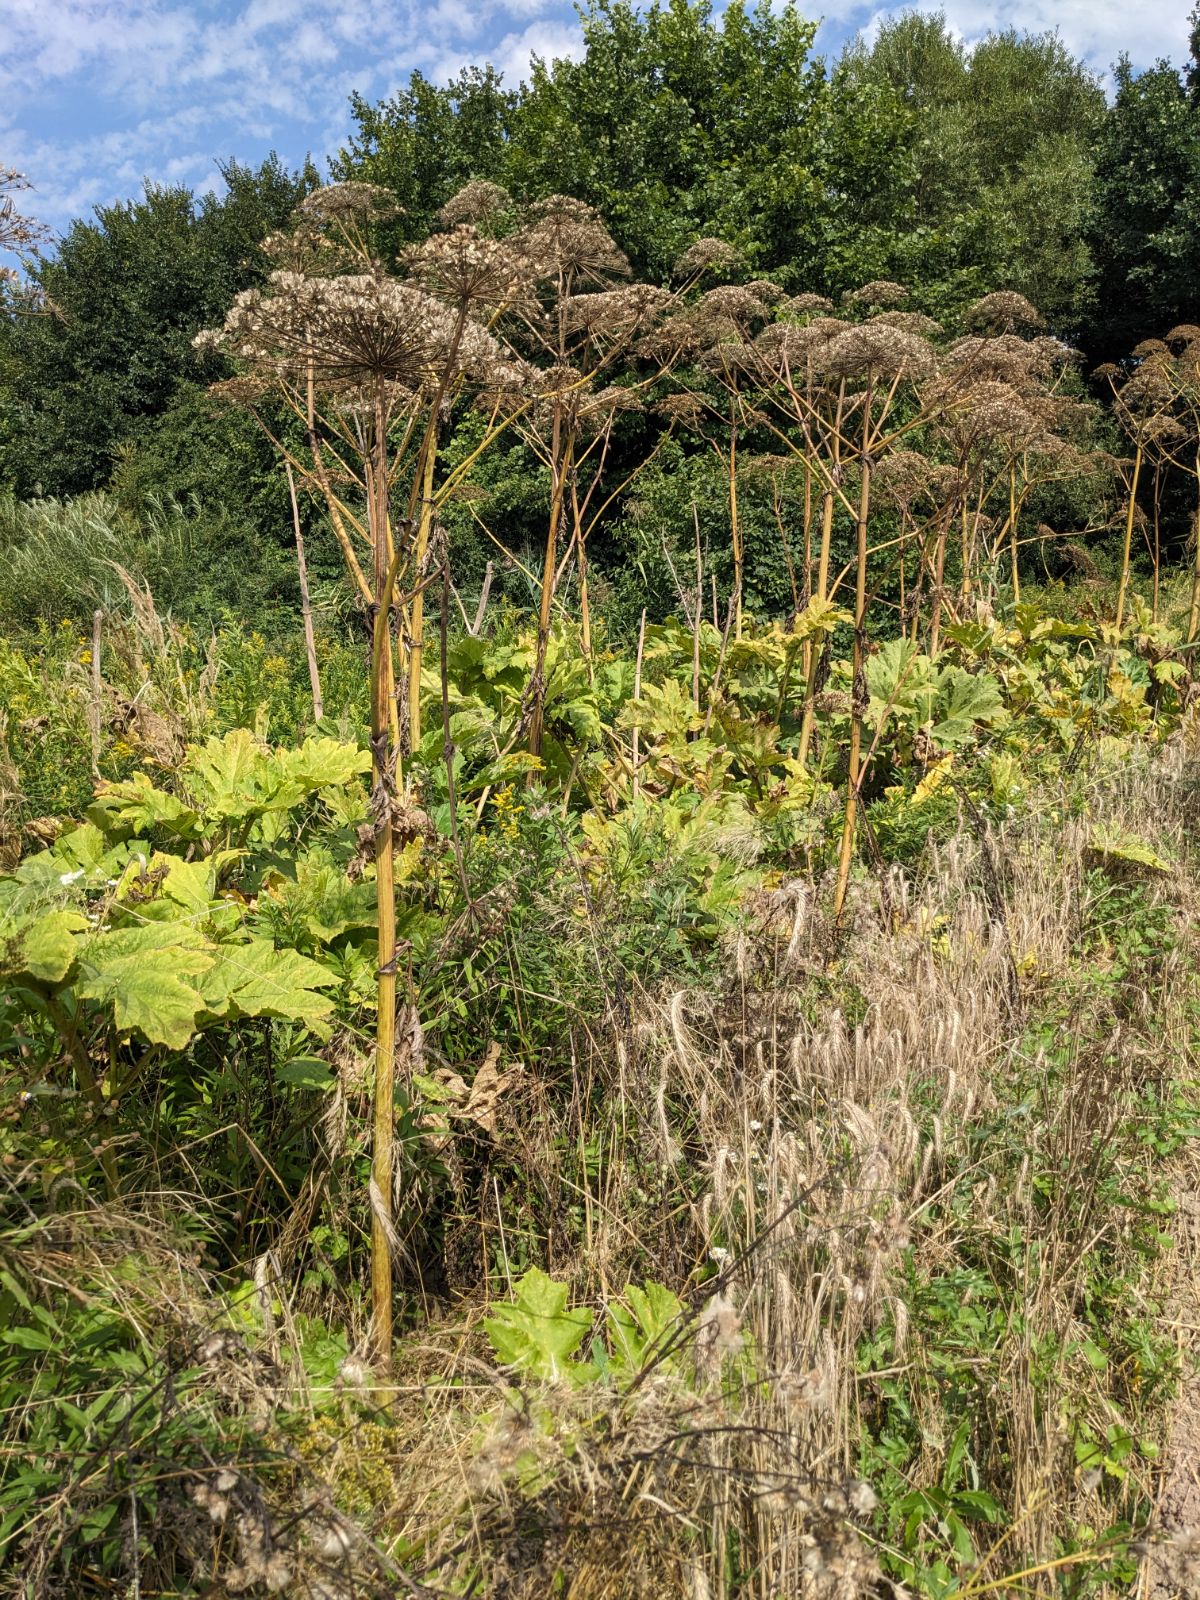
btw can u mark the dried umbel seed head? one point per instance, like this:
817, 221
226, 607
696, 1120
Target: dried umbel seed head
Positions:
731, 303
992, 413
245, 390
1003, 358
875, 348
17, 231
1003, 311
614, 314
769, 293
803, 305
1183, 333
1148, 389
565, 237
824, 330
862, 1497
1150, 348
673, 340
349, 330
682, 408
1052, 355
1161, 431
881, 292
466, 269
555, 383
347, 203
903, 477
911, 322
477, 201
599, 408
786, 344
707, 255
734, 358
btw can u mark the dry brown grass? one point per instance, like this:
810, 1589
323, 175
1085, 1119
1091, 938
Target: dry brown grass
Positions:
980, 1116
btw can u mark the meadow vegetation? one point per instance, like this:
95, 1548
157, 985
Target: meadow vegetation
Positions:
599, 765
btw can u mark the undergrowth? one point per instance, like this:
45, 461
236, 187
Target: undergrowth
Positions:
814, 1260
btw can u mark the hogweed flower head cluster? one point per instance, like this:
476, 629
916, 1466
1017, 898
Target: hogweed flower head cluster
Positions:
18, 233
882, 292
566, 238
880, 349
466, 269
1003, 311
707, 255
476, 202
349, 330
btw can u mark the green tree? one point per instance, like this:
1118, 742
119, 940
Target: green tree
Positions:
672, 124
425, 142
1144, 219
986, 182
126, 293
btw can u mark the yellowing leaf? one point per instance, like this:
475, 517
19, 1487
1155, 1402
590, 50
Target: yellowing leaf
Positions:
933, 780
1123, 855
45, 948
142, 973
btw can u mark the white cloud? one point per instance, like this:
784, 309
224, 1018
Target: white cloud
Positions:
549, 40
1097, 30
511, 55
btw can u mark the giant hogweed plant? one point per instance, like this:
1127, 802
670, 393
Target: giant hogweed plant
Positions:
538, 333
369, 364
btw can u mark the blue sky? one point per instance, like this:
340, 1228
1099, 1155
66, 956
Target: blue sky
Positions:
97, 95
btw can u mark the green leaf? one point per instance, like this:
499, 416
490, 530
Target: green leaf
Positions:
537, 1334
321, 897
136, 803
322, 764
142, 972
306, 1072
648, 1320
27, 1338
978, 1504
963, 700
256, 980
